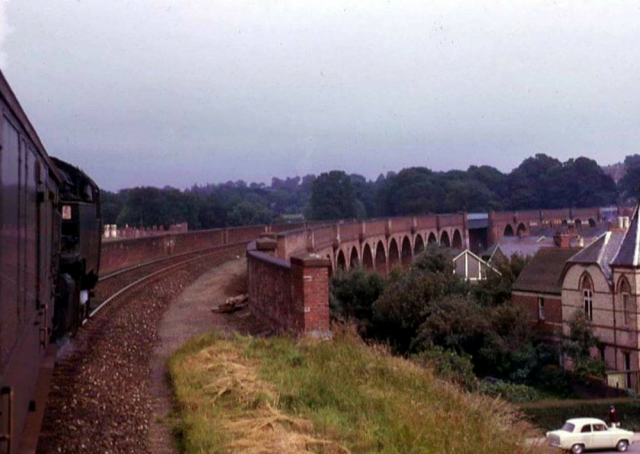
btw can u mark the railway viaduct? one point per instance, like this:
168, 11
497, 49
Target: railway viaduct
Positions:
289, 265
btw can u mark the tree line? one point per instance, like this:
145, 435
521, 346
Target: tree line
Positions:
539, 182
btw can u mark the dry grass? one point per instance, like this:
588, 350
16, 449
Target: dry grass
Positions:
224, 385
246, 395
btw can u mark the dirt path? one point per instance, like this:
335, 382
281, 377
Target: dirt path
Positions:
189, 315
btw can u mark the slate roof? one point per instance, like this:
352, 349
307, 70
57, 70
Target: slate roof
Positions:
543, 272
629, 250
601, 252
521, 248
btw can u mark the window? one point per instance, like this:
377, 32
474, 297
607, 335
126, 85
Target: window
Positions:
599, 428
586, 428
540, 308
587, 296
625, 308
568, 427
625, 296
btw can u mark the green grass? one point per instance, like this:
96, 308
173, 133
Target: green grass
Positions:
332, 396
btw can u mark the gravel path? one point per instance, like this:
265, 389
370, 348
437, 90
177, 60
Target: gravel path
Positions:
189, 315
100, 398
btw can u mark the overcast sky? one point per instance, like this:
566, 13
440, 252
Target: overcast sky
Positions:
156, 92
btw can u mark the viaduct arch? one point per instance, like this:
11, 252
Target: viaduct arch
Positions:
289, 271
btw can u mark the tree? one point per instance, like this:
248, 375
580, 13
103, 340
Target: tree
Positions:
353, 295
332, 196
415, 190
630, 182
578, 346
403, 306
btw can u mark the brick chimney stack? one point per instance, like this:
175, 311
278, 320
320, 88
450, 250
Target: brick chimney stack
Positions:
562, 239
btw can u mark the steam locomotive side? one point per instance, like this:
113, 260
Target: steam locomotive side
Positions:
80, 248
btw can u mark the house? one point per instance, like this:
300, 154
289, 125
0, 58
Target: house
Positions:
601, 282
527, 247
538, 290
471, 267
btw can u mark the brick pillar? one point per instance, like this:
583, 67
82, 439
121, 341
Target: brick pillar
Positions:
310, 292
267, 245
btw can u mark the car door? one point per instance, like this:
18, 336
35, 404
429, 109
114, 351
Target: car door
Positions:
601, 437
586, 436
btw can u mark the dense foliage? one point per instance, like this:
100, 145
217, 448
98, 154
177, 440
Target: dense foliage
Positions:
468, 333
538, 182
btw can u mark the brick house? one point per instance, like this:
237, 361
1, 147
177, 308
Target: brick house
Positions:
538, 290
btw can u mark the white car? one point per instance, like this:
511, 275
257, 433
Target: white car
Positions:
580, 434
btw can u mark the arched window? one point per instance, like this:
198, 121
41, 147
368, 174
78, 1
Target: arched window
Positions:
624, 289
586, 287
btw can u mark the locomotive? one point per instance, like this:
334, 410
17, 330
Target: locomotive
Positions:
50, 229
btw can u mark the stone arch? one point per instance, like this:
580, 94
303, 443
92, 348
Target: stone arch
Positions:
407, 253
381, 259
508, 230
341, 261
444, 239
394, 253
456, 243
623, 285
432, 239
578, 224
354, 260
592, 222
419, 245
521, 230
367, 257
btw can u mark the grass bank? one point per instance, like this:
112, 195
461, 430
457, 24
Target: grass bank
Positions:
239, 394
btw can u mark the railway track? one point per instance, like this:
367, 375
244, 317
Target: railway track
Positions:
98, 400
115, 284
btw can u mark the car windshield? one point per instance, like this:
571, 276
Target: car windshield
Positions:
568, 427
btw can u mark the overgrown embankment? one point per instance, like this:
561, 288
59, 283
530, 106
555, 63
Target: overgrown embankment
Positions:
240, 394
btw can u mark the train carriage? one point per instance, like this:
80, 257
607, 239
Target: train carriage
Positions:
29, 245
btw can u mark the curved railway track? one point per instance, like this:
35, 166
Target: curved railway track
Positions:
99, 399
115, 284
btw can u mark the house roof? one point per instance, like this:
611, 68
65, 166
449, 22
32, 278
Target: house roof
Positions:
628, 253
524, 248
543, 272
601, 252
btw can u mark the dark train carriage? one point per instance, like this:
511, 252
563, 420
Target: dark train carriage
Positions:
29, 232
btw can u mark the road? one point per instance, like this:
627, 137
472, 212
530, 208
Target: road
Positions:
635, 448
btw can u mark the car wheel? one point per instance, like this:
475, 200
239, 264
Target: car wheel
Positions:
622, 446
577, 449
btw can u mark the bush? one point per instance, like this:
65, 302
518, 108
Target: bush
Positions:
449, 366
353, 295
510, 392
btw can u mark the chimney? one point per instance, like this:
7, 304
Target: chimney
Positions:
580, 241
620, 224
562, 239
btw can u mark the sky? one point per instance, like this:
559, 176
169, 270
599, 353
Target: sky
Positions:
168, 92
